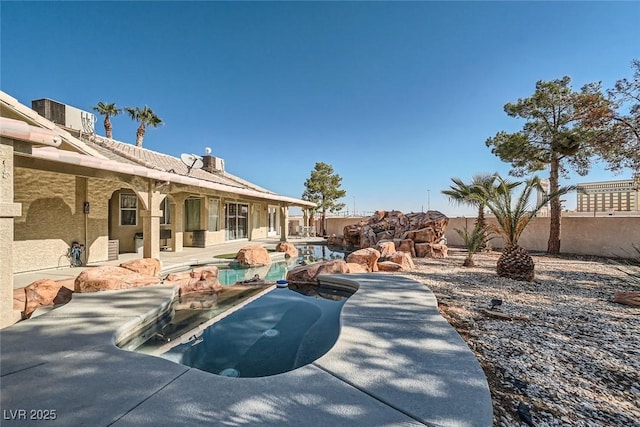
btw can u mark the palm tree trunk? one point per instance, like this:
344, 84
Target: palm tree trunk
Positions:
553, 245
107, 127
480, 220
140, 135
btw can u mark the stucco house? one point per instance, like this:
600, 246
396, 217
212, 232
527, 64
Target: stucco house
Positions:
60, 185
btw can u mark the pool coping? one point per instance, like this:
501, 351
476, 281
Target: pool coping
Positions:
396, 362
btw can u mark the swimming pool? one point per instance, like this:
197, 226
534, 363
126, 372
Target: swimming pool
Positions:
282, 330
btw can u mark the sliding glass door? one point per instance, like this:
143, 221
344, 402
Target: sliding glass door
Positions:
236, 220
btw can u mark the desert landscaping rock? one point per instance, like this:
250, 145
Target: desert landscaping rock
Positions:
570, 355
144, 266
108, 278
288, 248
43, 293
367, 258
309, 273
402, 229
253, 256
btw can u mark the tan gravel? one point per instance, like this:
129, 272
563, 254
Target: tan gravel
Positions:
559, 349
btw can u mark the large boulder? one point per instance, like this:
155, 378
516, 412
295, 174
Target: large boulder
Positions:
199, 280
386, 248
423, 227
403, 259
351, 234
44, 292
288, 248
144, 266
252, 256
107, 277
405, 245
356, 268
309, 273
389, 266
367, 257
431, 250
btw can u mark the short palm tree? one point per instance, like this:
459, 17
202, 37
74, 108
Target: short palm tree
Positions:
512, 218
469, 194
146, 117
473, 241
107, 110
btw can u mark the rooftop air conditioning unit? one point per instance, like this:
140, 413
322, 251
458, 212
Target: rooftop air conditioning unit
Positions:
65, 115
212, 164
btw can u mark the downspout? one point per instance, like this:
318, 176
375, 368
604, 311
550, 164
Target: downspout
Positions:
85, 212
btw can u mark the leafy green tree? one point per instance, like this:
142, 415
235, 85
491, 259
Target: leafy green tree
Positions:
323, 188
619, 143
513, 215
107, 110
146, 117
561, 130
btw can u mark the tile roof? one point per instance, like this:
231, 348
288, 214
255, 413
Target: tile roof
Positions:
131, 154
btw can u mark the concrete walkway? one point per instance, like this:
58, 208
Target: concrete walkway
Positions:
396, 362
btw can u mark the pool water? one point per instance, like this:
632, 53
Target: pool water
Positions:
278, 332
309, 315
278, 270
314, 253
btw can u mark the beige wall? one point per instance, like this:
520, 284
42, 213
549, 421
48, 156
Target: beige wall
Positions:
601, 236
53, 217
335, 225
607, 236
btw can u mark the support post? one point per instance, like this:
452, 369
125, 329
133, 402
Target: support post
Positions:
8, 211
284, 221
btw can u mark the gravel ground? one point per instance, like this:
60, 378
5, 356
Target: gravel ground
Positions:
565, 356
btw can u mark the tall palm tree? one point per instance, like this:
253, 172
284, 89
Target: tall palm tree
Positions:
146, 117
512, 218
107, 110
469, 194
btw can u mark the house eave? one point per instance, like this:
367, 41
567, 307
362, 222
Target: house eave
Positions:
114, 167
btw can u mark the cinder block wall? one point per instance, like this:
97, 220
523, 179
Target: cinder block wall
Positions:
608, 236
601, 236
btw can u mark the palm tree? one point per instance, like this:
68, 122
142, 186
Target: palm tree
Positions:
473, 241
468, 194
146, 117
512, 218
107, 110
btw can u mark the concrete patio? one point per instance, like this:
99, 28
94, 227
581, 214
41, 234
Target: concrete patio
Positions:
396, 362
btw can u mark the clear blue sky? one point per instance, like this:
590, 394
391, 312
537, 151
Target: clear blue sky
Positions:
397, 96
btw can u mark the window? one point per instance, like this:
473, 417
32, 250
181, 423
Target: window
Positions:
128, 209
214, 214
165, 219
272, 219
191, 214
236, 220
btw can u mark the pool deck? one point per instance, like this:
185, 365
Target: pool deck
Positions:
396, 362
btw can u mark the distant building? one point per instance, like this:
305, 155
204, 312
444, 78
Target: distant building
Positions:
609, 196
541, 194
